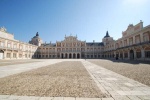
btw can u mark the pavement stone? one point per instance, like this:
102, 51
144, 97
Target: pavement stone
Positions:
88, 98
107, 99
58, 98
115, 86
46, 98
28, 98
121, 98
69, 98
13, 69
134, 97
4, 96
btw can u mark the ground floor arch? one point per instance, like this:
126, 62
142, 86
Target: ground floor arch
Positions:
66, 55
131, 54
62, 55
1, 54
70, 55
78, 55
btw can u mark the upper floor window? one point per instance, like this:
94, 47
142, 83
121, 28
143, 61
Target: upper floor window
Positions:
125, 42
8, 45
137, 39
146, 37
15, 45
1, 44
130, 41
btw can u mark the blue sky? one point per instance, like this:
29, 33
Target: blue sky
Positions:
88, 19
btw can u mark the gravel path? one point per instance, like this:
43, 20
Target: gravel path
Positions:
137, 70
67, 79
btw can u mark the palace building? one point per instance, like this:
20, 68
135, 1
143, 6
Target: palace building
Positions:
14, 49
134, 44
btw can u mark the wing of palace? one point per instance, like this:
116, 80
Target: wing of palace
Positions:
134, 44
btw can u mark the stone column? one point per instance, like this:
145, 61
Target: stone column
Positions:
5, 54
11, 55
133, 39
135, 54
60, 55
142, 53
115, 54
17, 55
128, 54
123, 54
119, 54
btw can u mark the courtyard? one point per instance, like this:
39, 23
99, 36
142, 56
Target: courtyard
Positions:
74, 79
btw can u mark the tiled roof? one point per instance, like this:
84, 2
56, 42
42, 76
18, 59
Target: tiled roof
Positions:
94, 44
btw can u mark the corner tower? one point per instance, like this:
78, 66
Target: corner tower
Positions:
107, 39
36, 40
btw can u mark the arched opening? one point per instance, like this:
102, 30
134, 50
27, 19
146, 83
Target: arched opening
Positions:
1, 54
121, 55
74, 55
78, 55
117, 55
66, 55
138, 53
83, 56
147, 52
62, 55
70, 55
131, 54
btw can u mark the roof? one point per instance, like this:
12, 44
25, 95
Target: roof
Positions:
107, 35
95, 44
49, 44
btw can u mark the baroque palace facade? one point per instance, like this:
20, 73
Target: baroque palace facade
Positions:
134, 44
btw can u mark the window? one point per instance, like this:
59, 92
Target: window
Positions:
26, 55
8, 45
2, 44
14, 55
147, 54
138, 54
126, 55
20, 55
130, 41
125, 43
8, 55
145, 37
137, 39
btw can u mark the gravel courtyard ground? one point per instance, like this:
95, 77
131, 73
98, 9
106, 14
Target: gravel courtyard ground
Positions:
66, 79
18, 61
137, 70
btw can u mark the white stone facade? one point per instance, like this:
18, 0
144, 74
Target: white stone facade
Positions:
14, 49
71, 48
134, 44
